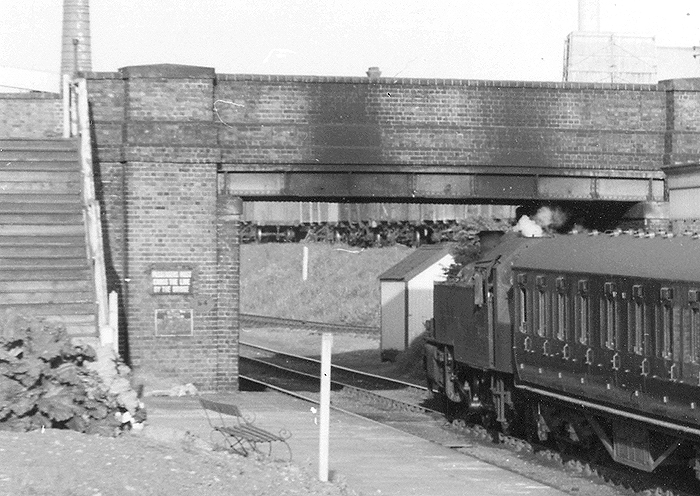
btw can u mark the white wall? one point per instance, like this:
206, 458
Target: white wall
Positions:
393, 300
420, 296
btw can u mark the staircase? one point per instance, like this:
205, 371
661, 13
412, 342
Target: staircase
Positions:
44, 267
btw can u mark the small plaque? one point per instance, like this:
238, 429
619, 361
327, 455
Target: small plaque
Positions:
172, 281
174, 322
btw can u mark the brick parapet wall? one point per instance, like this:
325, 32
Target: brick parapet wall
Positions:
31, 115
272, 120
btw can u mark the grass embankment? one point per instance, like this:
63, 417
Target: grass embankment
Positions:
342, 285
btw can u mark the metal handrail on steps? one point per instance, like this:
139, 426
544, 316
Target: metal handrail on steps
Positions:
78, 123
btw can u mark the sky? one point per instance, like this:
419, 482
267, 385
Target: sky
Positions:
465, 39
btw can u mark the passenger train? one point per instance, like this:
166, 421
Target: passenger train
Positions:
590, 341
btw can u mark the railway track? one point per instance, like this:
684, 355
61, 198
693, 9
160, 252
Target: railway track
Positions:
412, 408
286, 370
252, 320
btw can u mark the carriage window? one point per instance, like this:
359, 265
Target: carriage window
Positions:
522, 302
664, 347
582, 312
695, 335
636, 344
609, 317
562, 321
541, 312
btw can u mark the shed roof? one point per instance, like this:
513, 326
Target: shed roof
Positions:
416, 262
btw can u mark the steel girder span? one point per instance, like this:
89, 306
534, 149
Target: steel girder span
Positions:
508, 185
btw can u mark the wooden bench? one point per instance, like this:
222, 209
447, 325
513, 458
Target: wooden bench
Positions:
239, 434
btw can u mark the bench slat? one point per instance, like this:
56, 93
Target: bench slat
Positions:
244, 431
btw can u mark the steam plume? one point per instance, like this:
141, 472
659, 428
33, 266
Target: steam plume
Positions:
545, 221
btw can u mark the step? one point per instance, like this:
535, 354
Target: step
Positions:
42, 230
31, 208
48, 309
39, 240
75, 325
8, 263
26, 251
38, 154
43, 285
47, 297
58, 218
71, 165
23, 198
32, 144
20, 176
45, 274
41, 187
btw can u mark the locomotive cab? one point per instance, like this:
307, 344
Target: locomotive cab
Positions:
468, 352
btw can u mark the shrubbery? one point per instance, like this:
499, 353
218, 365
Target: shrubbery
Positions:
45, 382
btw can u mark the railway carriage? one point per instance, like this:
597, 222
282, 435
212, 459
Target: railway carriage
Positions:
589, 340
366, 223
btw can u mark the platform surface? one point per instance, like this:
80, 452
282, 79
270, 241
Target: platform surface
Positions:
371, 458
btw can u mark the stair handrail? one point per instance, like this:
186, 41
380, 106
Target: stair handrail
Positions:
80, 117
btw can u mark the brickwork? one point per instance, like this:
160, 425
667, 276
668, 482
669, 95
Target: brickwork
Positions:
156, 146
31, 115
161, 132
683, 120
273, 120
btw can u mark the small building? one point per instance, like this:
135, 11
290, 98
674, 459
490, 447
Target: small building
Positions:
406, 292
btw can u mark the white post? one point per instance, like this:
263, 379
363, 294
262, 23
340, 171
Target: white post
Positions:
65, 90
305, 264
114, 319
325, 406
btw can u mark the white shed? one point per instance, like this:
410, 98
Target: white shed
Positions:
406, 292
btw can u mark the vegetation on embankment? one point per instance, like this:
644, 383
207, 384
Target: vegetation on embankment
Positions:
342, 284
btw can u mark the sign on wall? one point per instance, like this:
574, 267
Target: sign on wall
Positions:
171, 281
174, 322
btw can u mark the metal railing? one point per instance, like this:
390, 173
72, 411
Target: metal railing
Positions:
77, 124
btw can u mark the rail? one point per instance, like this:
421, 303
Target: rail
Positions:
252, 320
77, 121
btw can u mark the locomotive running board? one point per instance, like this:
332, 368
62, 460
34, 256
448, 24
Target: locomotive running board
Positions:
633, 416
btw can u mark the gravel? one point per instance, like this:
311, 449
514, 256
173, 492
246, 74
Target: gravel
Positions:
62, 462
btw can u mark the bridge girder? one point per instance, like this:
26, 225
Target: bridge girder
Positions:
464, 184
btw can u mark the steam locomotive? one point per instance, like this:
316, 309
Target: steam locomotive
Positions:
590, 341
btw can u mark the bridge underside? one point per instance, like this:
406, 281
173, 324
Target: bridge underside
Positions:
464, 184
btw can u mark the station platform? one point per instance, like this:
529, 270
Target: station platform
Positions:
371, 458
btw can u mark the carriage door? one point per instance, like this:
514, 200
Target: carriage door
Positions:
479, 345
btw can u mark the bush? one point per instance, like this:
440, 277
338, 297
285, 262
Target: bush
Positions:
44, 382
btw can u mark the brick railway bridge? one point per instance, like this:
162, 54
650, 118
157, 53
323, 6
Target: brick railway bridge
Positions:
176, 148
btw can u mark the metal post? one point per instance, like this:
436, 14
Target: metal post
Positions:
65, 91
305, 264
325, 408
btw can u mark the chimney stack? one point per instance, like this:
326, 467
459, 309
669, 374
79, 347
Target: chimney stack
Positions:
374, 73
589, 16
76, 54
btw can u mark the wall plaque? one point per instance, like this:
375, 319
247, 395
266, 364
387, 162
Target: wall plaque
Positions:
171, 281
174, 322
